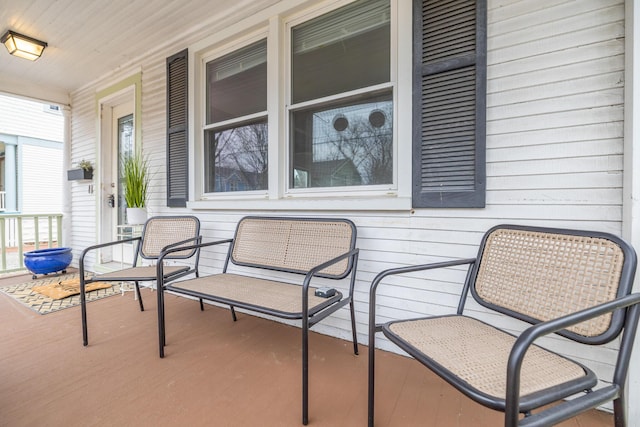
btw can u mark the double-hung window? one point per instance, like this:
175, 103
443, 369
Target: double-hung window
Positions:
341, 100
235, 132
338, 100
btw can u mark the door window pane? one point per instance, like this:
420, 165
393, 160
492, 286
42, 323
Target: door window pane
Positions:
125, 148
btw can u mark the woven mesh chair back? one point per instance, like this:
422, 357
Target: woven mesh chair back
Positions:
162, 231
294, 245
544, 275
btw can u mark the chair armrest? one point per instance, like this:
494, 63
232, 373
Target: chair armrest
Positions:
531, 334
196, 239
99, 246
168, 250
409, 269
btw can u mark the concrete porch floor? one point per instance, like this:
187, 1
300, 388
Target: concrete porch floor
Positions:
215, 373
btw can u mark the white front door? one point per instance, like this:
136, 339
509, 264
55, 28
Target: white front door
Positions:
123, 143
117, 132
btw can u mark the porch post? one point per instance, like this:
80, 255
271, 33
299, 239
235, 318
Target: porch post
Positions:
66, 185
631, 187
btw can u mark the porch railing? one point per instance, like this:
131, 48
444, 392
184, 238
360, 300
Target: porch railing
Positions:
23, 233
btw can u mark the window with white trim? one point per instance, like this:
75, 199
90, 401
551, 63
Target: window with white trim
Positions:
341, 99
235, 131
339, 108
377, 104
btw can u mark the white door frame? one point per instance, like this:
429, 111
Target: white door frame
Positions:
129, 90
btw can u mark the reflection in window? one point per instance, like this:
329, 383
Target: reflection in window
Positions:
236, 158
348, 144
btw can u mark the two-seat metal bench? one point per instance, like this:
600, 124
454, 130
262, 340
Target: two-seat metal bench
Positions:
574, 283
314, 248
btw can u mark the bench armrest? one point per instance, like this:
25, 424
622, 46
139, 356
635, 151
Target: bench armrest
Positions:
318, 268
531, 334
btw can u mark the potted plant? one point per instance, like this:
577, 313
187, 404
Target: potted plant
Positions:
84, 171
135, 175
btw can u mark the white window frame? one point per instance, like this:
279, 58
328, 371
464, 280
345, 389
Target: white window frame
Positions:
275, 25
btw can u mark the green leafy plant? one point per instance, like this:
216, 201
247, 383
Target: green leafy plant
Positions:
135, 170
85, 165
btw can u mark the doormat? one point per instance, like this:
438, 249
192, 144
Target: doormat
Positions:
42, 304
60, 288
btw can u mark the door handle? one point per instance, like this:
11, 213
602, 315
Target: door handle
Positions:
111, 201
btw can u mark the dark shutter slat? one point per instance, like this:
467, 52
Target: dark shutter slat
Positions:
177, 130
449, 79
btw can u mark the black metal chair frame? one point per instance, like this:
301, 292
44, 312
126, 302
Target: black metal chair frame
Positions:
139, 242
624, 309
309, 317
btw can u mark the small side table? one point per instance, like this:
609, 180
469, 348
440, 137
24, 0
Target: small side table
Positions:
123, 232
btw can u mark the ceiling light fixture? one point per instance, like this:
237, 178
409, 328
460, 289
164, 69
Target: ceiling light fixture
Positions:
23, 46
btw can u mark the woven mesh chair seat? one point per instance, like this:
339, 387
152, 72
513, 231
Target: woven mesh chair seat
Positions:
277, 296
148, 272
478, 353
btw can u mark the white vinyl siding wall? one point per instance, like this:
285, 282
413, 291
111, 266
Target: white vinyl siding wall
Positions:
83, 225
41, 178
554, 158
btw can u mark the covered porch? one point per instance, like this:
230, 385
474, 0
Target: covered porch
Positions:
215, 373
556, 145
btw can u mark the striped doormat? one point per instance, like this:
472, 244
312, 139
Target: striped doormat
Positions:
42, 304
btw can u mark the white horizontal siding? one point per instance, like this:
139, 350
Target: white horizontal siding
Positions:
41, 178
83, 228
554, 158
22, 117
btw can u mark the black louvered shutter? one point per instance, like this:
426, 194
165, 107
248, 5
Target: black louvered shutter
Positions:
449, 103
177, 130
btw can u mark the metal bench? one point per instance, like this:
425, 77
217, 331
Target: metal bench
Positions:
576, 284
309, 247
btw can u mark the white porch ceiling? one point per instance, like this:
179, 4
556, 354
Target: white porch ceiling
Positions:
89, 39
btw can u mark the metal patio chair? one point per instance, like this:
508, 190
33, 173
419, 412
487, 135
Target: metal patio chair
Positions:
158, 234
576, 284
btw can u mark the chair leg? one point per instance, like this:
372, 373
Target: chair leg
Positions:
305, 372
201, 305
139, 296
161, 332
233, 313
83, 306
372, 357
619, 411
353, 328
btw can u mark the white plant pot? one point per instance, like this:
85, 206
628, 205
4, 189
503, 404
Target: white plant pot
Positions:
136, 216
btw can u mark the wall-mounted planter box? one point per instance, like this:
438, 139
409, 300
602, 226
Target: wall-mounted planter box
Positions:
77, 174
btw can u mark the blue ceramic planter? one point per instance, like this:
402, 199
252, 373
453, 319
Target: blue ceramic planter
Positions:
45, 261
